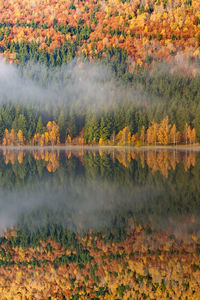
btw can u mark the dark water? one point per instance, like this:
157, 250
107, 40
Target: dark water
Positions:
48, 191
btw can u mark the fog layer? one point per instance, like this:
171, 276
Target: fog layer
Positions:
85, 85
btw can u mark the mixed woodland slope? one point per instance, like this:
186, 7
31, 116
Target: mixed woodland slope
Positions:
151, 48
146, 29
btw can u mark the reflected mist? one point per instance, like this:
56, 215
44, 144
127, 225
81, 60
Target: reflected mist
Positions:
100, 190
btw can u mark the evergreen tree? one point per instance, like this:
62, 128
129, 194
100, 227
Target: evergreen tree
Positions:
62, 123
20, 123
72, 124
104, 133
106, 127
40, 127
92, 130
196, 122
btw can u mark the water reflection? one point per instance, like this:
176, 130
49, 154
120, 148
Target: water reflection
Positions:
106, 224
157, 160
84, 189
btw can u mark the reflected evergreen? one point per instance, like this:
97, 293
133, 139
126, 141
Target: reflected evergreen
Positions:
94, 191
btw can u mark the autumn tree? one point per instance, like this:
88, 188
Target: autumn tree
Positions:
20, 138
193, 136
122, 136
164, 131
52, 134
152, 133
6, 138
187, 131
173, 135
68, 140
9, 138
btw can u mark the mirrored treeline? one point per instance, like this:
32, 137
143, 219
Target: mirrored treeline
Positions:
44, 191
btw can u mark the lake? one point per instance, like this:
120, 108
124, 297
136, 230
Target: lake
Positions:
132, 215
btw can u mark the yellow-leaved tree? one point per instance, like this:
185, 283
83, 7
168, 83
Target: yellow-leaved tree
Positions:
164, 131
20, 138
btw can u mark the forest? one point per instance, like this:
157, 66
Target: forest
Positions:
145, 29
148, 48
170, 113
99, 222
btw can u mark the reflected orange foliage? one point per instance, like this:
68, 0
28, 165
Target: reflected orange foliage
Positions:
141, 264
13, 156
50, 157
162, 161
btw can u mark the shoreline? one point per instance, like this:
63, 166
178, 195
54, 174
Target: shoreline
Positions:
194, 147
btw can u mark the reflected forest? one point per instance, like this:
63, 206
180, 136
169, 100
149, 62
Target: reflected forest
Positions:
116, 223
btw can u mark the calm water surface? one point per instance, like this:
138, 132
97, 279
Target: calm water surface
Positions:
110, 190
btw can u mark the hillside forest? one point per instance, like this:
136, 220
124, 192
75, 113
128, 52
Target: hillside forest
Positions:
149, 48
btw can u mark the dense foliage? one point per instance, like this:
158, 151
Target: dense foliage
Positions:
130, 39
94, 224
95, 269
127, 241
146, 30
133, 103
